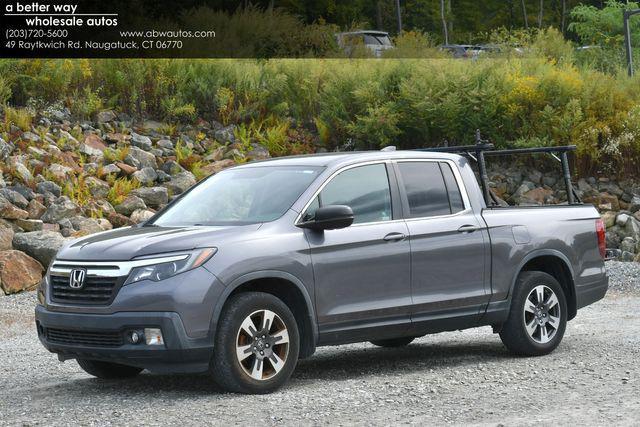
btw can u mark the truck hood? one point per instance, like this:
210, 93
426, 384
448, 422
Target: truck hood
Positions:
127, 243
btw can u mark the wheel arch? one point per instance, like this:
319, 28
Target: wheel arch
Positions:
284, 286
556, 264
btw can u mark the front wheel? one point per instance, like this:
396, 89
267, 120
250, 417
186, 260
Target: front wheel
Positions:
257, 344
538, 315
108, 370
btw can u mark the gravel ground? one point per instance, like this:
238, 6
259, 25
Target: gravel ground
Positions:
465, 377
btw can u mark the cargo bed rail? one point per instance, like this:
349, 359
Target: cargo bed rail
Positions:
483, 148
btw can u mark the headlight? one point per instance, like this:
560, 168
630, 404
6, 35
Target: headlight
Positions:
164, 270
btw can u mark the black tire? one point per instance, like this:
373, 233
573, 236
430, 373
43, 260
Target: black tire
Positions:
226, 368
514, 332
393, 342
108, 370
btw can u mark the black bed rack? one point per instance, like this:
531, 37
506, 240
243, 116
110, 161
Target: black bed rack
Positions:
483, 148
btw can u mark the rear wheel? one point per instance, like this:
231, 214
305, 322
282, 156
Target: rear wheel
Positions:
108, 370
393, 342
538, 315
257, 344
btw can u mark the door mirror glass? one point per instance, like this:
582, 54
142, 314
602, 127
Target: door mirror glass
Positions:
330, 217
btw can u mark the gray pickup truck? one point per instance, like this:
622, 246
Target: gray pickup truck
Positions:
256, 266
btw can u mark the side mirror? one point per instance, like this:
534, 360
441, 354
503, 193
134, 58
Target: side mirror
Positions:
330, 217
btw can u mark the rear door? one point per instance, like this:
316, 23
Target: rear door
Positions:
448, 243
362, 272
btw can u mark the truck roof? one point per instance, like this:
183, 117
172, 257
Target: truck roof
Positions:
340, 158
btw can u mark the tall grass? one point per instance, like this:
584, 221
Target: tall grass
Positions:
364, 103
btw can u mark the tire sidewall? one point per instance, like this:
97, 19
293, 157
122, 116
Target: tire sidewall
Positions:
229, 326
525, 287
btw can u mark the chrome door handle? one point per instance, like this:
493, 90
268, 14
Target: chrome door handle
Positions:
468, 229
394, 237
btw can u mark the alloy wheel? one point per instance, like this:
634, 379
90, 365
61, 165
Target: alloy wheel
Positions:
541, 314
262, 345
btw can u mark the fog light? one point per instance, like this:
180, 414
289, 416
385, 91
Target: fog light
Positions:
134, 337
153, 336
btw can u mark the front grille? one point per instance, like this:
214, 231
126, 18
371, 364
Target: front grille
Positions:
90, 339
96, 290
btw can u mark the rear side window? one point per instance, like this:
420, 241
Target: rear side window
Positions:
431, 189
455, 198
365, 189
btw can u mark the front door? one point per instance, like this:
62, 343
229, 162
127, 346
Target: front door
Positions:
448, 245
362, 272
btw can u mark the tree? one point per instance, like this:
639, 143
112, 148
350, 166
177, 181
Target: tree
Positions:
445, 30
524, 13
603, 27
541, 14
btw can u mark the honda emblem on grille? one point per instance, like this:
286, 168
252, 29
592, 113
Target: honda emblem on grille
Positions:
76, 278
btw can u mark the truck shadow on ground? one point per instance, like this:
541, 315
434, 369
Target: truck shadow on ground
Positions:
334, 363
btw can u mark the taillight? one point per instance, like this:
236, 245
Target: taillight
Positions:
602, 240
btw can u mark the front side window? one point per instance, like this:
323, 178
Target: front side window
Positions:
365, 189
431, 189
241, 196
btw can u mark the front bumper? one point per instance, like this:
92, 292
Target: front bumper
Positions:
180, 353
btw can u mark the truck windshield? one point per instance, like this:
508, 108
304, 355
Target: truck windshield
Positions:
240, 196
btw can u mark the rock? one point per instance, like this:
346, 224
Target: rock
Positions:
258, 152
141, 215
152, 196
105, 116
18, 272
234, 154
216, 155
226, 134
622, 219
6, 237
632, 228
609, 218
5, 149
115, 138
36, 209
125, 168
119, 220
31, 137
634, 204
104, 224
22, 171
29, 224
141, 141
9, 211
145, 176
165, 144
215, 167
538, 196
85, 226
604, 201
14, 197
628, 244
61, 172
97, 187
162, 176
60, 209
180, 182
130, 204
93, 146
141, 159
26, 192
173, 168
111, 168
41, 245
626, 256
45, 187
